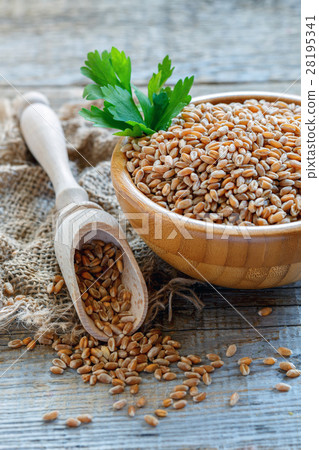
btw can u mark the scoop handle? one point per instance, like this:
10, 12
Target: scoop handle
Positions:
44, 136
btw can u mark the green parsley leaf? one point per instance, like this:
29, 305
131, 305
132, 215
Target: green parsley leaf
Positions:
138, 129
122, 67
101, 118
111, 73
145, 104
92, 92
157, 81
122, 105
112, 68
160, 105
178, 98
99, 69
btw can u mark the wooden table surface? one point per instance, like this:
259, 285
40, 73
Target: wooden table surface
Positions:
228, 45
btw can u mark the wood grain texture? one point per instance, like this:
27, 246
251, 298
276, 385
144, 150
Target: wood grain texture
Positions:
45, 43
238, 257
59, 95
263, 418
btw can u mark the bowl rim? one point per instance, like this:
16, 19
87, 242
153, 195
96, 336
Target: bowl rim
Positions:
195, 224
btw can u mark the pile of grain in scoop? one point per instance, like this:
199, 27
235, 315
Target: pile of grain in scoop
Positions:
236, 163
98, 267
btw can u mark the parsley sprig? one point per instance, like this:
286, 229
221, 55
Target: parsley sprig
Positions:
111, 74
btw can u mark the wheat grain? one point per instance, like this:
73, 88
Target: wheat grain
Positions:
216, 364
85, 418
199, 397
207, 379
244, 369
59, 363
213, 357
119, 404
72, 422
284, 351
180, 404
195, 359
265, 311
134, 389
161, 412
116, 390
131, 411
193, 391
181, 387
245, 360
49, 416
286, 365
184, 366
231, 350
293, 373
234, 399
58, 286
151, 420
167, 402
169, 376
270, 361
8, 288
141, 402
191, 382
192, 375
31, 345
283, 387
177, 395
56, 370
26, 340
16, 343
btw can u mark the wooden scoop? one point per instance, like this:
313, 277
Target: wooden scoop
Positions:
79, 220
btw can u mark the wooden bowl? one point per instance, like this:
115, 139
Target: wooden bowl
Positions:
236, 257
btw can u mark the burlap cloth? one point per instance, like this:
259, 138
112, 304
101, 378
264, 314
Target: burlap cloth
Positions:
27, 208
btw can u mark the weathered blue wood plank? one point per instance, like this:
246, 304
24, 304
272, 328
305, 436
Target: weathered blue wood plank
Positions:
44, 43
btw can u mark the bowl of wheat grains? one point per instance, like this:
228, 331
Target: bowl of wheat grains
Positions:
218, 195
